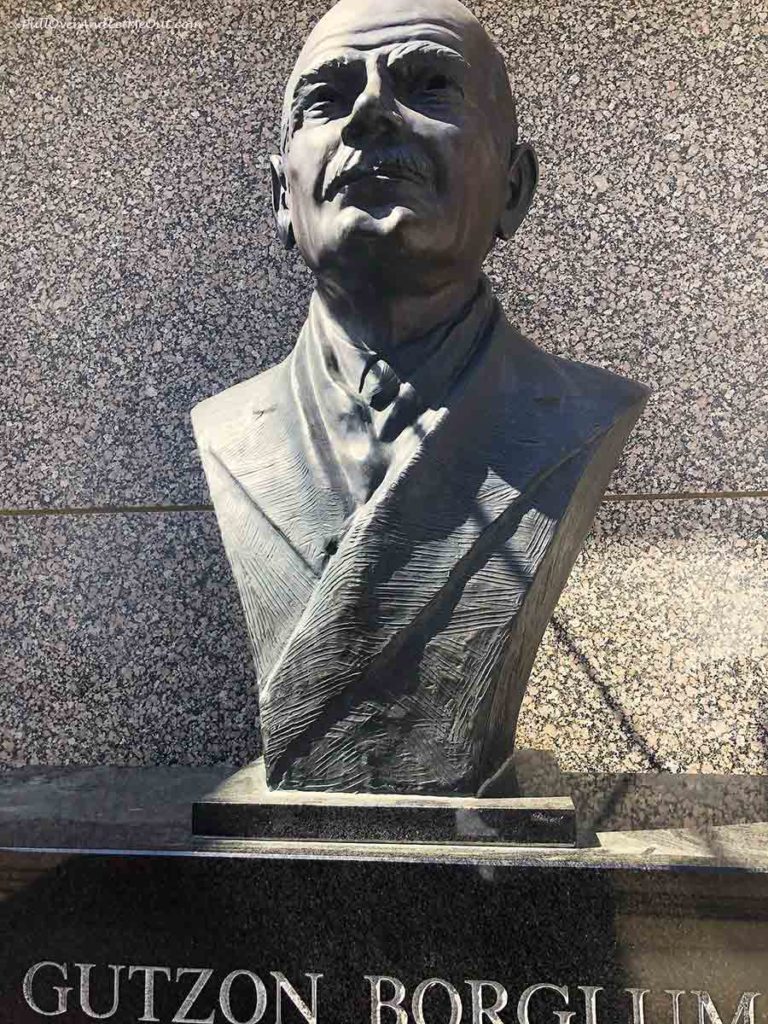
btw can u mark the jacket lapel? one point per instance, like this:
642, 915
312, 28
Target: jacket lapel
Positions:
270, 509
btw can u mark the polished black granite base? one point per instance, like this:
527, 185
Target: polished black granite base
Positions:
109, 905
244, 806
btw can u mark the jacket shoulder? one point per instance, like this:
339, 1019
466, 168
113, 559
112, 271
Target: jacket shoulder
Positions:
553, 377
588, 380
215, 418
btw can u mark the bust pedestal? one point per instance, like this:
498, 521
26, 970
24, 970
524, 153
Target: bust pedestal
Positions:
534, 814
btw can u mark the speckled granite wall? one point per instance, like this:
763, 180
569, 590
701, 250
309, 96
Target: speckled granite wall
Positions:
140, 273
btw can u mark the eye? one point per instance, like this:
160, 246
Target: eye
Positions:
436, 83
430, 86
324, 102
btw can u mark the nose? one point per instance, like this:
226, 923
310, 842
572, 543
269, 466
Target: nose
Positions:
375, 111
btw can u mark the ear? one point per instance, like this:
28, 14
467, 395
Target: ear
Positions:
522, 178
280, 203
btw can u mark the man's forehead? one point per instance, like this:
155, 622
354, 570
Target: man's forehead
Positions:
356, 26
362, 42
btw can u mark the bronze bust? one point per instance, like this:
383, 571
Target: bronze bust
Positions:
402, 498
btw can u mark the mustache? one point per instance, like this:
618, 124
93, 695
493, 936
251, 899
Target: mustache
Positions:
396, 161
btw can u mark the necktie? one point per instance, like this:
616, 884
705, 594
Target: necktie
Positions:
380, 385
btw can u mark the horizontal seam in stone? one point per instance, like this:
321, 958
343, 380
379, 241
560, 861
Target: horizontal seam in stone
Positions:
684, 495
101, 510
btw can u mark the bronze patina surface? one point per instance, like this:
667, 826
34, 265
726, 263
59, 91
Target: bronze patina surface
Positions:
402, 498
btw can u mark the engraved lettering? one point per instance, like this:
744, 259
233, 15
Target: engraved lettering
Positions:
261, 997
638, 1004
283, 985
203, 974
85, 990
563, 1016
395, 1003
242, 998
590, 1002
417, 1003
745, 1011
675, 994
61, 991
491, 1013
149, 989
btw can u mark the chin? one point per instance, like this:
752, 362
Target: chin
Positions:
394, 231
375, 240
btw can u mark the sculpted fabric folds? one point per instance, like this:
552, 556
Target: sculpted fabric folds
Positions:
393, 638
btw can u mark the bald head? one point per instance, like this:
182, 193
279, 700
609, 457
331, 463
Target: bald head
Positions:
360, 25
400, 164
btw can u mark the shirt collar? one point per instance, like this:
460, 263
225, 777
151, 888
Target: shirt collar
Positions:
439, 356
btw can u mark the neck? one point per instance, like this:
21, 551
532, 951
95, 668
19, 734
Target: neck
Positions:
386, 322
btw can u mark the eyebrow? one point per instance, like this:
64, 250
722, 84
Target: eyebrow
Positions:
424, 48
318, 74
415, 48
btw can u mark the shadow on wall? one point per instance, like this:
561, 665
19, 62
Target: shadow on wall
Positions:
656, 657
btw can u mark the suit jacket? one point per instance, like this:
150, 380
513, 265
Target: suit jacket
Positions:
393, 644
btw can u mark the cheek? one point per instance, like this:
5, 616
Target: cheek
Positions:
470, 159
297, 179
310, 151
484, 176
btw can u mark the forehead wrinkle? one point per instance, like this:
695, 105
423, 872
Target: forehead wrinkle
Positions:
376, 36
